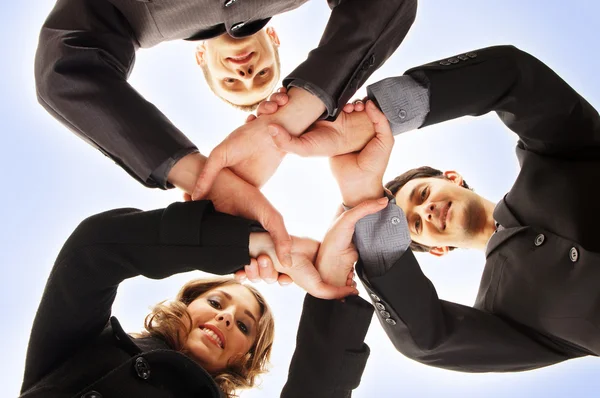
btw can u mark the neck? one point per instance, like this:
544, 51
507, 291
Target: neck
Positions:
488, 226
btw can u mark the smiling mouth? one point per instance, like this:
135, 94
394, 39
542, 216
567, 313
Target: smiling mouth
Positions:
445, 215
241, 59
214, 338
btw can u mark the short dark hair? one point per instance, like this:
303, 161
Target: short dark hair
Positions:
420, 172
243, 108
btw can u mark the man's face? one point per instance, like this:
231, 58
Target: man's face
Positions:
440, 212
241, 71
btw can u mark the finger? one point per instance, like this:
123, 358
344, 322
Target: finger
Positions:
382, 125
267, 108
348, 220
348, 108
307, 277
282, 90
308, 144
359, 105
251, 117
284, 280
187, 197
272, 221
279, 99
266, 270
214, 164
240, 275
252, 271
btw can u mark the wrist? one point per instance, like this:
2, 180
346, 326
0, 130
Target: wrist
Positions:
354, 197
260, 243
302, 110
186, 171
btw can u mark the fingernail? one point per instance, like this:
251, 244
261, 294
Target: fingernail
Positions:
269, 280
273, 131
370, 104
263, 263
285, 283
382, 200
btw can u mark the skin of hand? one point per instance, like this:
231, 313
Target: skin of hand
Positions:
350, 132
359, 175
245, 148
337, 254
303, 271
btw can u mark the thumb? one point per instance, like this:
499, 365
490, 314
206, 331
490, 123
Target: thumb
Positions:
349, 219
214, 164
305, 145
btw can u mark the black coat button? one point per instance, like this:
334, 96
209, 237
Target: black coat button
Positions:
384, 314
142, 368
390, 321
471, 55
444, 63
539, 239
372, 60
229, 2
462, 57
453, 60
380, 306
573, 254
92, 394
375, 297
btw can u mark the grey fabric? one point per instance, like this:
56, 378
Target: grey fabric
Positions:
403, 100
381, 239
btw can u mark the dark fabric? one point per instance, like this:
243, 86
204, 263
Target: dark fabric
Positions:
538, 301
330, 354
87, 51
73, 348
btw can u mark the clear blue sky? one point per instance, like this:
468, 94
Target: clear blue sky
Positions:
52, 179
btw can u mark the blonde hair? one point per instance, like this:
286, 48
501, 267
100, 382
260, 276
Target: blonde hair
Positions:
171, 322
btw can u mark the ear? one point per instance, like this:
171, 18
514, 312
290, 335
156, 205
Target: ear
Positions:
439, 251
273, 36
200, 51
454, 177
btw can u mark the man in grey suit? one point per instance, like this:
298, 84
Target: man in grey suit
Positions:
87, 51
538, 302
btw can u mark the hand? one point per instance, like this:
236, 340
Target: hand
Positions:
230, 194
248, 149
262, 268
359, 175
303, 272
350, 132
337, 254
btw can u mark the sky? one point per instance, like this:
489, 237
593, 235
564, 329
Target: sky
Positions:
53, 180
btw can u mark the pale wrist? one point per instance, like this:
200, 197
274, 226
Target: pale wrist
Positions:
260, 243
186, 171
302, 110
354, 197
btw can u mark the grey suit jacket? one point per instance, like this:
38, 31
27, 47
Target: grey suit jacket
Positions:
87, 51
538, 301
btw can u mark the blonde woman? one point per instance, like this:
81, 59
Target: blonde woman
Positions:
211, 341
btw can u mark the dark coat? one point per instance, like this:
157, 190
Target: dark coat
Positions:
539, 301
75, 351
87, 51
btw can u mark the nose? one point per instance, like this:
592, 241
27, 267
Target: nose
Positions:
245, 71
225, 318
429, 210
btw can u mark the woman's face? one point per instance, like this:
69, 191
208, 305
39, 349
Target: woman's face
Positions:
224, 326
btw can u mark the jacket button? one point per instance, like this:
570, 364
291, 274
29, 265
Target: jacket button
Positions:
229, 2
395, 220
453, 60
142, 368
375, 297
385, 314
444, 63
390, 321
402, 114
471, 55
539, 239
372, 60
92, 394
462, 57
573, 254
380, 306
237, 26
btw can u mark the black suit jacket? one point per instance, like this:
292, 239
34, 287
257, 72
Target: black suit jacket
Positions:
87, 51
538, 301
74, 350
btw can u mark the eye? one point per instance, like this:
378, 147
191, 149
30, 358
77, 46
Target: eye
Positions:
242, 326
418, 225
263, 72
424, 193
229, 80
214, 303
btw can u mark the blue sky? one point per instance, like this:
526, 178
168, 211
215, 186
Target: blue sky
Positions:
52, 179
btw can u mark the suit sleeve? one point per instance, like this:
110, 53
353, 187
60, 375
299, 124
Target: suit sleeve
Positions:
449, 335
549, 117
330, 354
359, 37
85, 54
110, 247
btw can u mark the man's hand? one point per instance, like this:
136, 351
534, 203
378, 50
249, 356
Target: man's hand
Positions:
359, 175
249, 149
350, 132
337, 254
232, 195
303, 272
